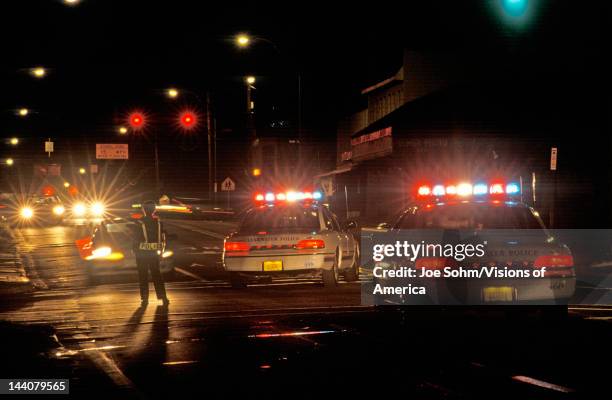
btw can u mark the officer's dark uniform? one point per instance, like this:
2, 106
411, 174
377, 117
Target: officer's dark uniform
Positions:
148, 244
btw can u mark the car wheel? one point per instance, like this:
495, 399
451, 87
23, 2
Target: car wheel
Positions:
352, 274
330, 277
237, 281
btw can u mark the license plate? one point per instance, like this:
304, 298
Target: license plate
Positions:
499, 293
148, 246
272, 265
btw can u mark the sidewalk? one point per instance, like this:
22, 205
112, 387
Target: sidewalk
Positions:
13, 278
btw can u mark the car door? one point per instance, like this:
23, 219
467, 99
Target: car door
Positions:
346, 249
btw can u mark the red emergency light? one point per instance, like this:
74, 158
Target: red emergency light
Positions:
468, 189
289, 196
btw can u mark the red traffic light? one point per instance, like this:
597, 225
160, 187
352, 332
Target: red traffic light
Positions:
188, 120
136, 120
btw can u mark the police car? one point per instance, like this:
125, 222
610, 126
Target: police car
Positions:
108, 251
515, 242
290, 233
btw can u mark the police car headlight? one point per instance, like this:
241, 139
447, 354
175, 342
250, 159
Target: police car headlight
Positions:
58, 210
26, 213
79, 209
97, 209
100, 252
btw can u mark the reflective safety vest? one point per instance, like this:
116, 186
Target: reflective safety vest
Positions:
151, 245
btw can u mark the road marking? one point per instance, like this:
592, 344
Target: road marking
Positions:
542, 384
590, 308
28, 261
189, 274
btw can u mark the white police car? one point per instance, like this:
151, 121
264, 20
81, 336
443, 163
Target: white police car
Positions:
516, 242
291, 233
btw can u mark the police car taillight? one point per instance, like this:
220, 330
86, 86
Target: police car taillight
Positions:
561, 265
434, 262
563, 260
236, 246
310, 244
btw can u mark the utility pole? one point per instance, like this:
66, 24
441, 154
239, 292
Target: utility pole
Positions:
209, 132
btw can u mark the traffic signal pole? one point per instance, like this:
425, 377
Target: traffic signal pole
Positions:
157, 184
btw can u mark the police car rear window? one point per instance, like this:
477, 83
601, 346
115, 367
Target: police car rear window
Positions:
271, 219
471, 216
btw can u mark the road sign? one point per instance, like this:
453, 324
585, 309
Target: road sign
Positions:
109, 151
228, 185
49, 147
553, 158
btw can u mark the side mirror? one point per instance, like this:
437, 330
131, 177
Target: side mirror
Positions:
351, 225
171, 236
383, 226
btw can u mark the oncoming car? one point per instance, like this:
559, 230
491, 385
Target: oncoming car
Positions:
109, 250
33, 210
290, 234
514, 239
87, 211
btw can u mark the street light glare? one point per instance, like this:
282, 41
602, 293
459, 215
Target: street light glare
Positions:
10, 161
38, 72
250, 80
123, 130
82, 171
23, 112
243, 40
66, 184
172, 93
72, 2
14, 141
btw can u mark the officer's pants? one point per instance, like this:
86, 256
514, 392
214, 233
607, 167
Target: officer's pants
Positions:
146, 264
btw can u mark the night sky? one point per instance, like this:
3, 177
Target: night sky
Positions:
106, 58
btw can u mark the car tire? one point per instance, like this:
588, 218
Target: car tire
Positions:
352, 274
237, 281
330, 277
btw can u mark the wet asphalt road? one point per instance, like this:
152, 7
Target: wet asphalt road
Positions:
291, 338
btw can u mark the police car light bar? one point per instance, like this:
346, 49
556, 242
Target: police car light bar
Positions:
290, 196
465, 189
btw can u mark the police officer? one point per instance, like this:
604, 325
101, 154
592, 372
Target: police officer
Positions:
149, 243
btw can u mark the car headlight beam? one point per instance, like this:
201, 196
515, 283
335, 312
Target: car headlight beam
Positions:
58, 210
79, 209
97, 209
26, 212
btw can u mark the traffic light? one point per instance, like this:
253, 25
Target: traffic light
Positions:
188, 119
137, 120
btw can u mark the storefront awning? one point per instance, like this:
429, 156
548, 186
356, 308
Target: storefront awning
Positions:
340, 170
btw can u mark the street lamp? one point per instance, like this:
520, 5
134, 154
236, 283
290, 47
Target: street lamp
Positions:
10, 162
23, 112
66, 185
243, 40
14, 141
82, 171
172, 93
250, 80
38, 72
122, 130
71, 2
